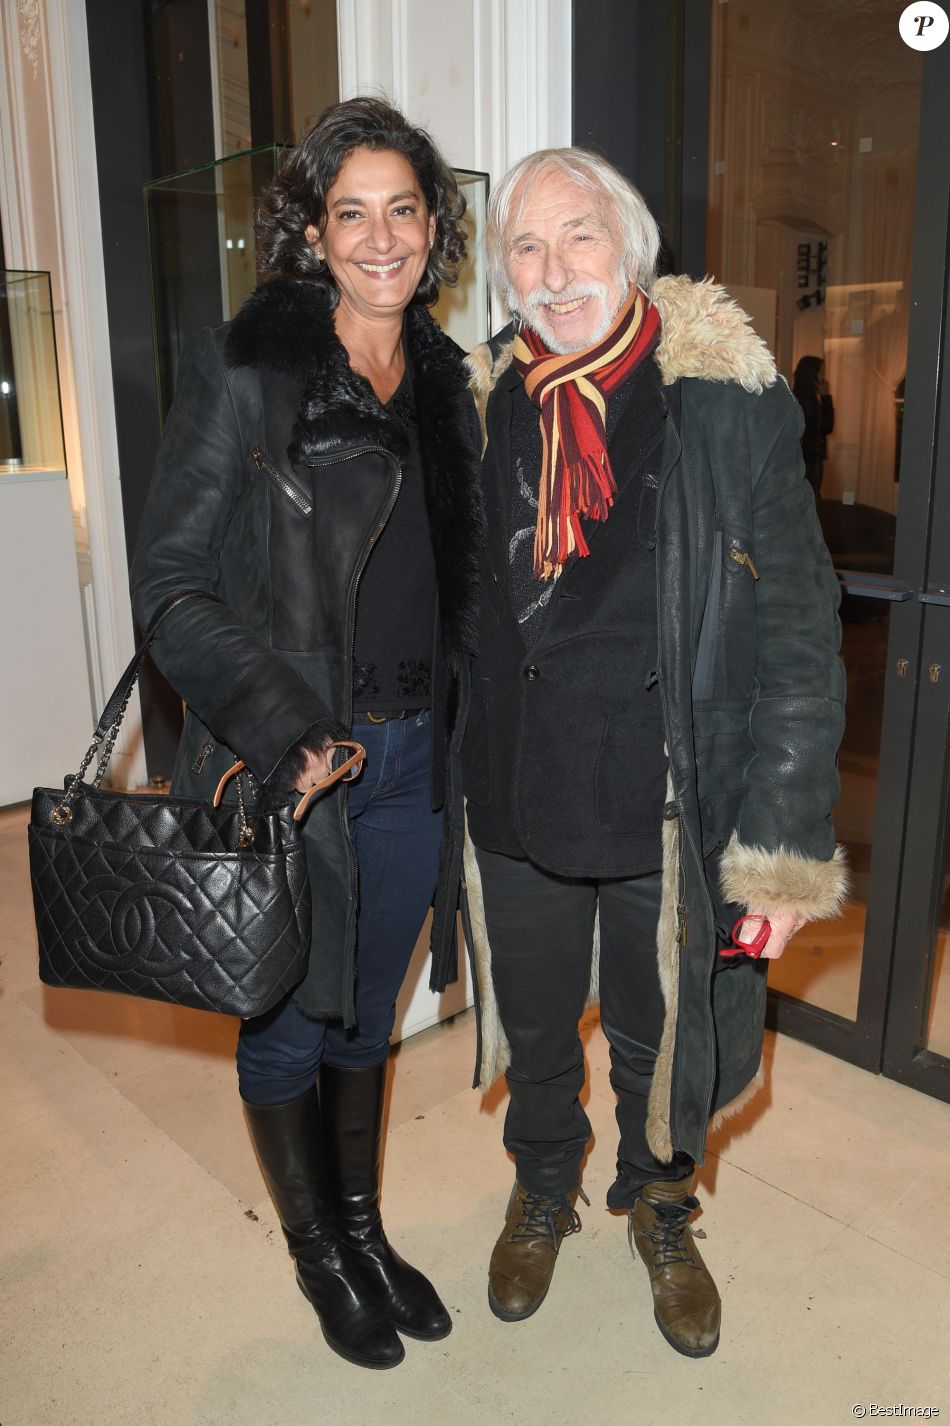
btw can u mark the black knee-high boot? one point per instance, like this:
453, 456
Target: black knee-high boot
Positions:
351, 1102
288, 1139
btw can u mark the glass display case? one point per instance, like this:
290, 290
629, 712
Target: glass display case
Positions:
31, 423
463, 310
202, 256
201, 251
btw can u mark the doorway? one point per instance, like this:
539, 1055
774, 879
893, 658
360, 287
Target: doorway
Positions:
795, 150
827, 218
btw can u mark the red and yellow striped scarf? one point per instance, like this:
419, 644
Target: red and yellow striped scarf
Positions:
570, 391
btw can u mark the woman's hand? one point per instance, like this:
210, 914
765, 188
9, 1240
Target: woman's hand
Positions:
784, 924
316, 766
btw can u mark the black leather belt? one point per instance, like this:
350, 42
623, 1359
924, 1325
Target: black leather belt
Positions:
365, 716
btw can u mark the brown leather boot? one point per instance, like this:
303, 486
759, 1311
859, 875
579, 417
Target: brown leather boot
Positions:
522, 1261
685, 1300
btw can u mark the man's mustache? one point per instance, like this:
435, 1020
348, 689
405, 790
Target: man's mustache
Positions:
544, 297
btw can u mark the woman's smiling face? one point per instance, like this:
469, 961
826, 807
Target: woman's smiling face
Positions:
377, 232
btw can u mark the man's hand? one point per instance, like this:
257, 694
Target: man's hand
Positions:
316, 766
784, 925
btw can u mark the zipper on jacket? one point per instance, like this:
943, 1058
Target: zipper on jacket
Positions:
351, 614
681, 886
672, 808
280, 480
335, 458
203, 754
742, 558
364, 557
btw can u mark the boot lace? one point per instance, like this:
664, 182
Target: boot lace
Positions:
670, 1233
540, 1218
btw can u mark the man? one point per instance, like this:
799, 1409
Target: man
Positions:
655, 715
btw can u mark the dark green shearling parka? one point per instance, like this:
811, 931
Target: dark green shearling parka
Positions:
753, 700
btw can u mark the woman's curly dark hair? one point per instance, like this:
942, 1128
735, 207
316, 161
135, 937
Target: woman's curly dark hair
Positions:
297, 195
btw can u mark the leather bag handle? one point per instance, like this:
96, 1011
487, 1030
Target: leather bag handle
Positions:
347, 770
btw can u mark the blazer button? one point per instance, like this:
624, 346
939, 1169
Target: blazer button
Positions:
531, 673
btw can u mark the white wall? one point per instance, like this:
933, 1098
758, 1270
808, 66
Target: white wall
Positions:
490, 79
49, 201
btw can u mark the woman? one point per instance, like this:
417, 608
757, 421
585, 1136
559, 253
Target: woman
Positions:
811, 391
317, 472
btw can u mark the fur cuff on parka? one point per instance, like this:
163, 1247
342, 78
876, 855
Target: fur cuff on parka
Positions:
784, 881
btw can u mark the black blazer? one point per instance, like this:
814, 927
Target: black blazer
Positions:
563, 758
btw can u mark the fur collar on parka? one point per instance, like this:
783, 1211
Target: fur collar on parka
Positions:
287, 327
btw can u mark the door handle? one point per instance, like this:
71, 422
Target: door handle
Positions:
870, 586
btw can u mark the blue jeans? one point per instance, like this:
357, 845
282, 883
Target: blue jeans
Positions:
397, 838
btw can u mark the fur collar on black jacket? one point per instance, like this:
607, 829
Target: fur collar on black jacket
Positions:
287, 327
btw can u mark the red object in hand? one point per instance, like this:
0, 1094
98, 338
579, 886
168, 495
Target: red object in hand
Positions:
753, 948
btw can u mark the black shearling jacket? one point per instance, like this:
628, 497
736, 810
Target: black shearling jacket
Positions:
277, 471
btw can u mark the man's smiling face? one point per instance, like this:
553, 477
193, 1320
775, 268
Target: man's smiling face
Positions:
565, 261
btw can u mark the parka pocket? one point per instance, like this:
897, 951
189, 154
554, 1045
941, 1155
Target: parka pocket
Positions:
725, 662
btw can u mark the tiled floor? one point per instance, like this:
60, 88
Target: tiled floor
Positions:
143, 1278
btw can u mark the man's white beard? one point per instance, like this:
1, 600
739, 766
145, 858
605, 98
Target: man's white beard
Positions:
531, 312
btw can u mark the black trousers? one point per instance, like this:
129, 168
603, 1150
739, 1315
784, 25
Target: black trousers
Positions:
540, 929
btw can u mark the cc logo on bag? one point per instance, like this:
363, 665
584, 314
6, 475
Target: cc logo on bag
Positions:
132, 926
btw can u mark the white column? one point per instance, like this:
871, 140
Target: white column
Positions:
365, 32
490, 79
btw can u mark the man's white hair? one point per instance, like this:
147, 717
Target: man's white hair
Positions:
641, 236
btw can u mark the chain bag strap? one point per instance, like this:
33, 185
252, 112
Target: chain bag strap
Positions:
110, 721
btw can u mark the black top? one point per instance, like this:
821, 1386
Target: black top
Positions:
395, 611
530, 596
819, 423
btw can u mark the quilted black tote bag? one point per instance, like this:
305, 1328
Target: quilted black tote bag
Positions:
194, 903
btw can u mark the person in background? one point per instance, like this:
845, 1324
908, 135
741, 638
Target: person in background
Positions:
318, 472
656, 706
811, 391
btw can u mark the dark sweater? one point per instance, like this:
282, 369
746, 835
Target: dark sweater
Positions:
564, 759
